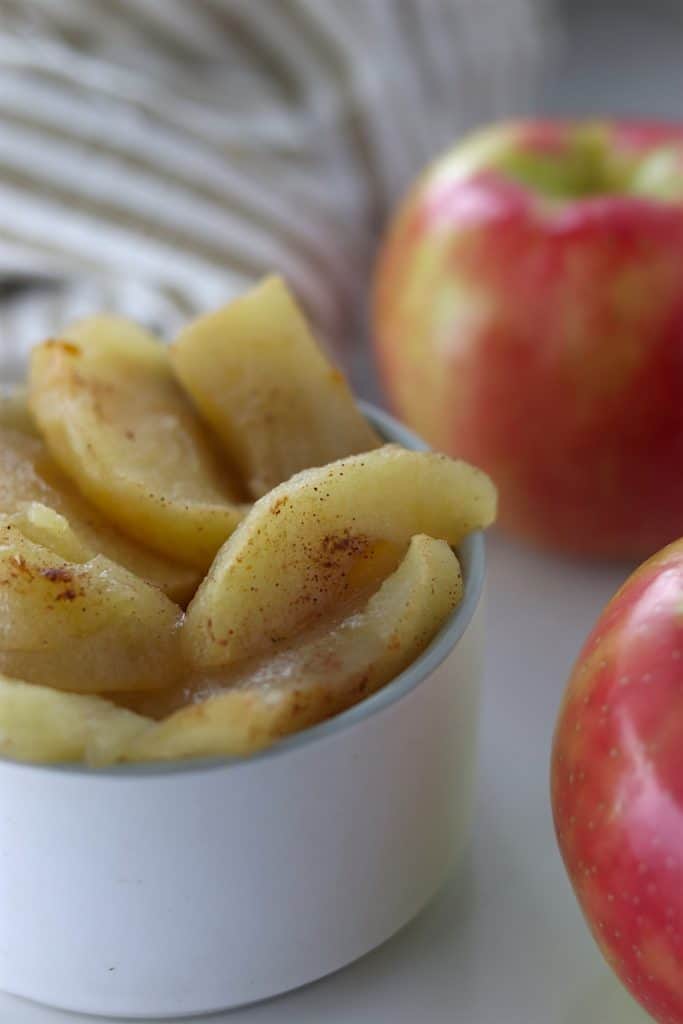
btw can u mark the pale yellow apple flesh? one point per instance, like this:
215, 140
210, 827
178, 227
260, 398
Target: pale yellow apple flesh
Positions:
28, 474
259, 378
42, 725
294, 557
77, 621
317, 675
126, 475
119, 425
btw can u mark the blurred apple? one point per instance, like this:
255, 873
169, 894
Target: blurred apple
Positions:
528, 316
617, 783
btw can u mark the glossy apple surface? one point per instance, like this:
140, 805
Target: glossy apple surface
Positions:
617, 783
528, 316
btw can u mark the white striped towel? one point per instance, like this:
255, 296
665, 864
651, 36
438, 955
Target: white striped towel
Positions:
156, 156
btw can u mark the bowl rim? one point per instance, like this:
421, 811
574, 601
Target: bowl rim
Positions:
472, 554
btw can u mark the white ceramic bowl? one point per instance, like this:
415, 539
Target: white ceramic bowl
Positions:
180, 889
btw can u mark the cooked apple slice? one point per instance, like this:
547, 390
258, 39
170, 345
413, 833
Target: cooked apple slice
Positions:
48, 529
79, 622
15, 413
319, 675
115, 419
44, 726
258, 377
294, 557
29, 474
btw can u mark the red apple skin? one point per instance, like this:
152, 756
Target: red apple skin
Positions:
542, 339
617, 783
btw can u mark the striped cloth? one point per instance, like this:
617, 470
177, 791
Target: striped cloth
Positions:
156, 156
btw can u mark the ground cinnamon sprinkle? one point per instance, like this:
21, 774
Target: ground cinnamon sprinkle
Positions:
20, 563
57, 575
66, 346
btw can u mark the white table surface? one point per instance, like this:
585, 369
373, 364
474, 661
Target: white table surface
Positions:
504, 942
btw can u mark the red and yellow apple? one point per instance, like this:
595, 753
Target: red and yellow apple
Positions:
617, 783
528, 316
